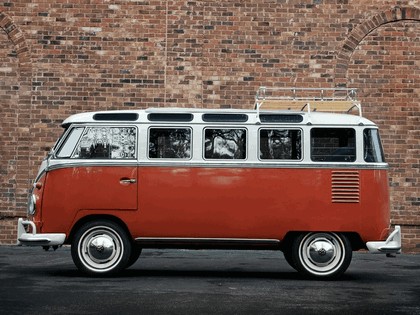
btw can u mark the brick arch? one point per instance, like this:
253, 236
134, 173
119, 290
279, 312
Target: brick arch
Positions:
369, 60
16, 37
16, 178
364, 29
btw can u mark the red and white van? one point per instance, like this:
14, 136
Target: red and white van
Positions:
312, 184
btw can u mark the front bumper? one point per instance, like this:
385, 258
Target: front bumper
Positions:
392, 245
34, 239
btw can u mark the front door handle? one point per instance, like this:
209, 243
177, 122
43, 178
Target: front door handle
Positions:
128, 181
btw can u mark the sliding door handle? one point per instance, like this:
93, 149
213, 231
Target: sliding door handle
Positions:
128, 181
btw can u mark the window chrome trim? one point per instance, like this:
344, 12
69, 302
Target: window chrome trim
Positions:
197, 159
97, 125
377, 144
203, 143
356, 149
66, 139
170, 127
302, 145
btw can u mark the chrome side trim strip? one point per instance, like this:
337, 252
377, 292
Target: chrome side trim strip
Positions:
55, 164
187, 242
266, 165
69, 164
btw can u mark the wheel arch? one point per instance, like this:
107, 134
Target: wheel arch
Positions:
94, 217
354, 238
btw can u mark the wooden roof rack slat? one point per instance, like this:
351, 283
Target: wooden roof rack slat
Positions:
308, 99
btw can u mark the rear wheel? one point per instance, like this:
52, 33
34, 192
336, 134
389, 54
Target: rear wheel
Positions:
101, 247
321, 255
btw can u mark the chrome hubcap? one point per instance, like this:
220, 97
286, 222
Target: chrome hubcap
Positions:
321, 253
100, 249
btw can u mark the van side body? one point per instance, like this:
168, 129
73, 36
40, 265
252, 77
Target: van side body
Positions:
186, 180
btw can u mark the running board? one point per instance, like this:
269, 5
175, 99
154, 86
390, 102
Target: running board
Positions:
207, 243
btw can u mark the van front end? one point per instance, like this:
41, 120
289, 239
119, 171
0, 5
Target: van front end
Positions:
27, 229
33, 238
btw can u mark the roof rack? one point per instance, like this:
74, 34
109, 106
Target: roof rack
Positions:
308, 99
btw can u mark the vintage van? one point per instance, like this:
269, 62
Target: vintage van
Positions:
309, 183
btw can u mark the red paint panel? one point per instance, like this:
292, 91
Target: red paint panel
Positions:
215, 202
255, 203
70, 190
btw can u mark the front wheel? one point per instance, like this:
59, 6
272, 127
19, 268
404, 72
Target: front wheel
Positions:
101, 247
321, 255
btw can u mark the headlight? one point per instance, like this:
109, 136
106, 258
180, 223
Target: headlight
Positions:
31, 204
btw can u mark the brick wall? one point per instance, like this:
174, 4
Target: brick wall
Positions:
388, 80
58, 58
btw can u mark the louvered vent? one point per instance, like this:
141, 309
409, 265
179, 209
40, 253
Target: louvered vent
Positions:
345, 186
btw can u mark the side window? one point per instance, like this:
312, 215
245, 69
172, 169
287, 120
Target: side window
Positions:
280, 144
67, 147
225, 144
333, 145
372, 146
107, 143
170, 143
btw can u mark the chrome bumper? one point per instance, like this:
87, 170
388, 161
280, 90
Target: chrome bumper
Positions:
392, 245
34, 239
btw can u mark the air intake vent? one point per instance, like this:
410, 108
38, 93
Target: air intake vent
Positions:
345, 186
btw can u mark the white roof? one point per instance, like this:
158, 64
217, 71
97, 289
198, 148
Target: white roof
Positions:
314, 118
316, 106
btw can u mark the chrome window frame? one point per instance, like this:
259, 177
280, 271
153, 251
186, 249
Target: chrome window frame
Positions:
64, 142
356, 144
225, 126
153, 126
269, 127
97, 125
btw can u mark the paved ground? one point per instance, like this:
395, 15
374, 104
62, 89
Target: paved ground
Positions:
205, 282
